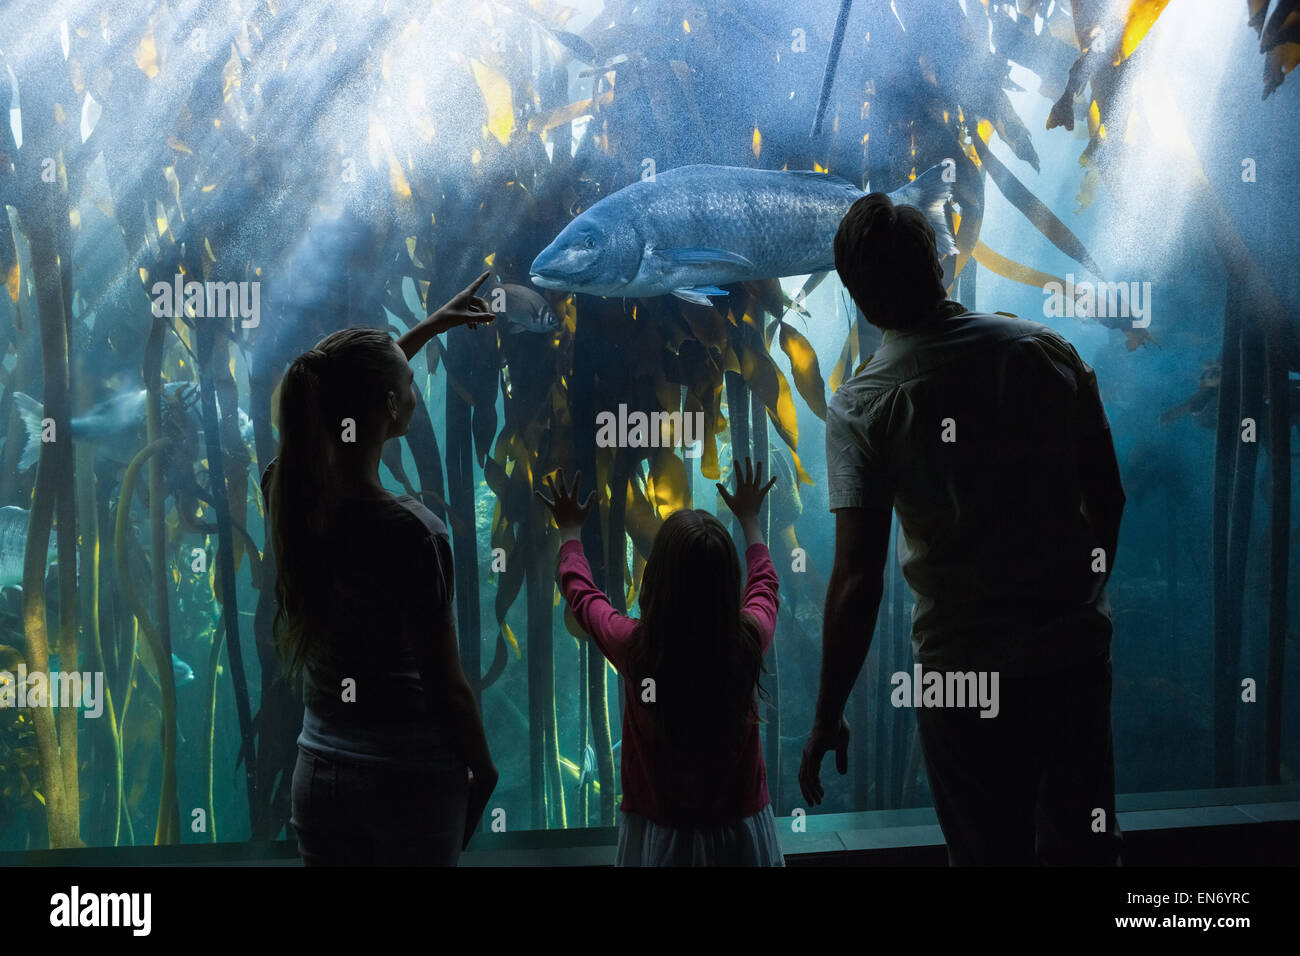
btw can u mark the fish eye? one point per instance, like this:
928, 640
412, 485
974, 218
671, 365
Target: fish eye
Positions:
589, 242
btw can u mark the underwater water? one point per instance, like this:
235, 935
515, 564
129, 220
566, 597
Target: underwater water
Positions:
357, 163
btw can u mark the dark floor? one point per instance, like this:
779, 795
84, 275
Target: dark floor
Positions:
1250, 826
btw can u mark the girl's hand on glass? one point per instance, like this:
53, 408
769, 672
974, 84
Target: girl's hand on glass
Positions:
749, 490
569, 515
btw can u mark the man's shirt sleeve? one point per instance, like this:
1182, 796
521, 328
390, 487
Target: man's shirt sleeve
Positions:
856, 474
1092, 415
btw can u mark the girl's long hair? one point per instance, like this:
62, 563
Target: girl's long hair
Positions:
344, 376
704, 655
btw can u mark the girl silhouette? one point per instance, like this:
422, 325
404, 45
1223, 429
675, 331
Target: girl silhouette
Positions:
694, 783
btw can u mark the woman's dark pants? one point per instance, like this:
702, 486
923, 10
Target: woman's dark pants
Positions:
354, 814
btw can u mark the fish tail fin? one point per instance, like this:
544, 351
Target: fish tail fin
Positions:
929, 192
31, 412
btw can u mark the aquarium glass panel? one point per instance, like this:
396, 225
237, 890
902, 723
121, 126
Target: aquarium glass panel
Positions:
196, 192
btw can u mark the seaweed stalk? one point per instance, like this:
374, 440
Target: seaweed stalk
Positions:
1225, 451
460, 499
168, 828
616, 566
738, 402
209, 721
168, 810
226, 565
66, 533
1239, 523
89, 522
539, 582
584, 798
537, 753
1279, 454
53, 461
832, 61
586, 346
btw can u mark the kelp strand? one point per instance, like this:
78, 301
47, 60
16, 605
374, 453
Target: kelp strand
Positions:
226, 565
168, 827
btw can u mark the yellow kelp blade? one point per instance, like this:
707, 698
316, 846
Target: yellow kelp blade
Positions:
510, 636
803, 476
1035, 210
639, 520
569, 113
1142, 16
850, 351
638, 569
146, 55
783, 416
712, 417
807, 374
500, 104
765, 379
668, 485
1010, 269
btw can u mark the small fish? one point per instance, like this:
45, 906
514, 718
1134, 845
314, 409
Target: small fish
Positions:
589, 771
115, 426
13, 545
692, 229
181, 672
526, 310
1203, 406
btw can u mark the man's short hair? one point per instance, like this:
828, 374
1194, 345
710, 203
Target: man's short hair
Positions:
887, 259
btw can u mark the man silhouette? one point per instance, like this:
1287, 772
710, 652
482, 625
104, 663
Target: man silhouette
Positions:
987, 436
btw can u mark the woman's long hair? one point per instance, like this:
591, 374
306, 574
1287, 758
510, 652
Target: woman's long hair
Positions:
346, 375
703, 654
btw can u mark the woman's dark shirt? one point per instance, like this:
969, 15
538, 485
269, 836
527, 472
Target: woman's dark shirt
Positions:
388, 586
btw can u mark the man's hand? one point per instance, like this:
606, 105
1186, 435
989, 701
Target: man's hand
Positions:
819, 742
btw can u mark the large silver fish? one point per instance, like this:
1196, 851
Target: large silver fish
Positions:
115, 426
692, 229
13, 545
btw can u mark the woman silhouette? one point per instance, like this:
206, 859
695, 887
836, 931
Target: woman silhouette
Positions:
393, 765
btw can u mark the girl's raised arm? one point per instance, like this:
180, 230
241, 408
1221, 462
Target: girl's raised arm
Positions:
611, 630
761, 599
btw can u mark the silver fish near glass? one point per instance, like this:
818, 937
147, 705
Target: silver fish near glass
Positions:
115, 426
13, 545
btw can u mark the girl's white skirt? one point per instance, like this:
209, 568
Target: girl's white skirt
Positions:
751, 841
